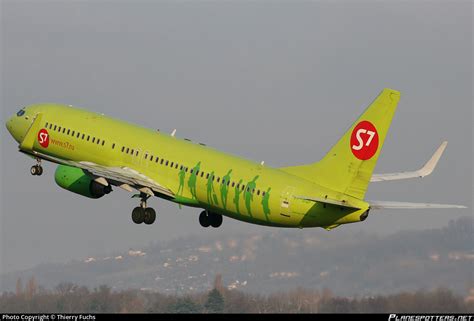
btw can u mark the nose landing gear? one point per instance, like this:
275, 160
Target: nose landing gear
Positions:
37, 170
142, 213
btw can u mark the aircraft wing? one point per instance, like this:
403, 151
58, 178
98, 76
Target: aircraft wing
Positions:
426, 170
124, 177
406, 205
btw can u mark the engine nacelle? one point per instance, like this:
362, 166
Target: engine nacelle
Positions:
77, 181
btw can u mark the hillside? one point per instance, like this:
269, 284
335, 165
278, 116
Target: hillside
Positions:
346, 263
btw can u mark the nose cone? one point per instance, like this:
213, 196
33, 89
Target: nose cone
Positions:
18, 126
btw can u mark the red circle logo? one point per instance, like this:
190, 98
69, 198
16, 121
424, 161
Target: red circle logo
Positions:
43, 138
364, 140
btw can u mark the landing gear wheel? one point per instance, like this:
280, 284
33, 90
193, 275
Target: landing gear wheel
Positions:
216, 219
204, 219
36, 170
150, 216
138, 215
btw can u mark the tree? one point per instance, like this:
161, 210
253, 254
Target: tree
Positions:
218, 283
215, 302
19, 287
31, 287
184, 305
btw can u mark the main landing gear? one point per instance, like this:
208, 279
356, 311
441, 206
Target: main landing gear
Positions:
142, 213
37, 169
207, 219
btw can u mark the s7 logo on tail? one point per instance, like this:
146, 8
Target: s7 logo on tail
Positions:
364, 140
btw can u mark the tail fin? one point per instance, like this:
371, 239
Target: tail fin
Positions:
348, 166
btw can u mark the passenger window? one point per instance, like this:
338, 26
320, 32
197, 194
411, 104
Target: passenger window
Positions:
88, 137
202, 174
136, 153
181, 168
228, 183
73, 132
123, 148
55, 127
78, 134
243, 187
93, 139
83, 135
176, 166
59, 129
46, 125
258, 192
157, 159
128, 150
191, 171
113, 146
146, 156
233, 184
64, 130
167, 163
103, 142
68, 131
186, 170
207, 175
263, 193
162, 160
98, 141
172, 163
132, 152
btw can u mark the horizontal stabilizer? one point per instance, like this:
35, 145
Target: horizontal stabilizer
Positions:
426, 170
326, 200
406, 205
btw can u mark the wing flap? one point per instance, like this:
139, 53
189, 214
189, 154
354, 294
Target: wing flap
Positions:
426, 170
407, 205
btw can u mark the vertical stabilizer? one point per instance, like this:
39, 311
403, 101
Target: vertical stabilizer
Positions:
349, 165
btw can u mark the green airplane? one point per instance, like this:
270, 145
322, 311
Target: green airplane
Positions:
95, 152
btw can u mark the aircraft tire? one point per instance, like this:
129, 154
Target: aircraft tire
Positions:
216, 220
138, 215
39, 170
204, 219
150, 216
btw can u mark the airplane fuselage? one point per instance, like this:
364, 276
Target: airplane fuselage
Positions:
198, 176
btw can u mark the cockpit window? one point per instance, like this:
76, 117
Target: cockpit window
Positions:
21, 112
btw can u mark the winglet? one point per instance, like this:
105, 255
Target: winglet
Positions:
430, 165
426, 170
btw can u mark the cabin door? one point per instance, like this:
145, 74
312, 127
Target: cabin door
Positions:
286, 200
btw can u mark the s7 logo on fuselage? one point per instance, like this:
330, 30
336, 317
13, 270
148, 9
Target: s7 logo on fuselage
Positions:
43, 138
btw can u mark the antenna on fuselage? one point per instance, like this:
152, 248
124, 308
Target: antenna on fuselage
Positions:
263, 162
173, 132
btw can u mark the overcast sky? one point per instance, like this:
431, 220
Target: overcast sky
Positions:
274, 81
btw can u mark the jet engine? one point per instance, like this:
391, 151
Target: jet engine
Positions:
77, 181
